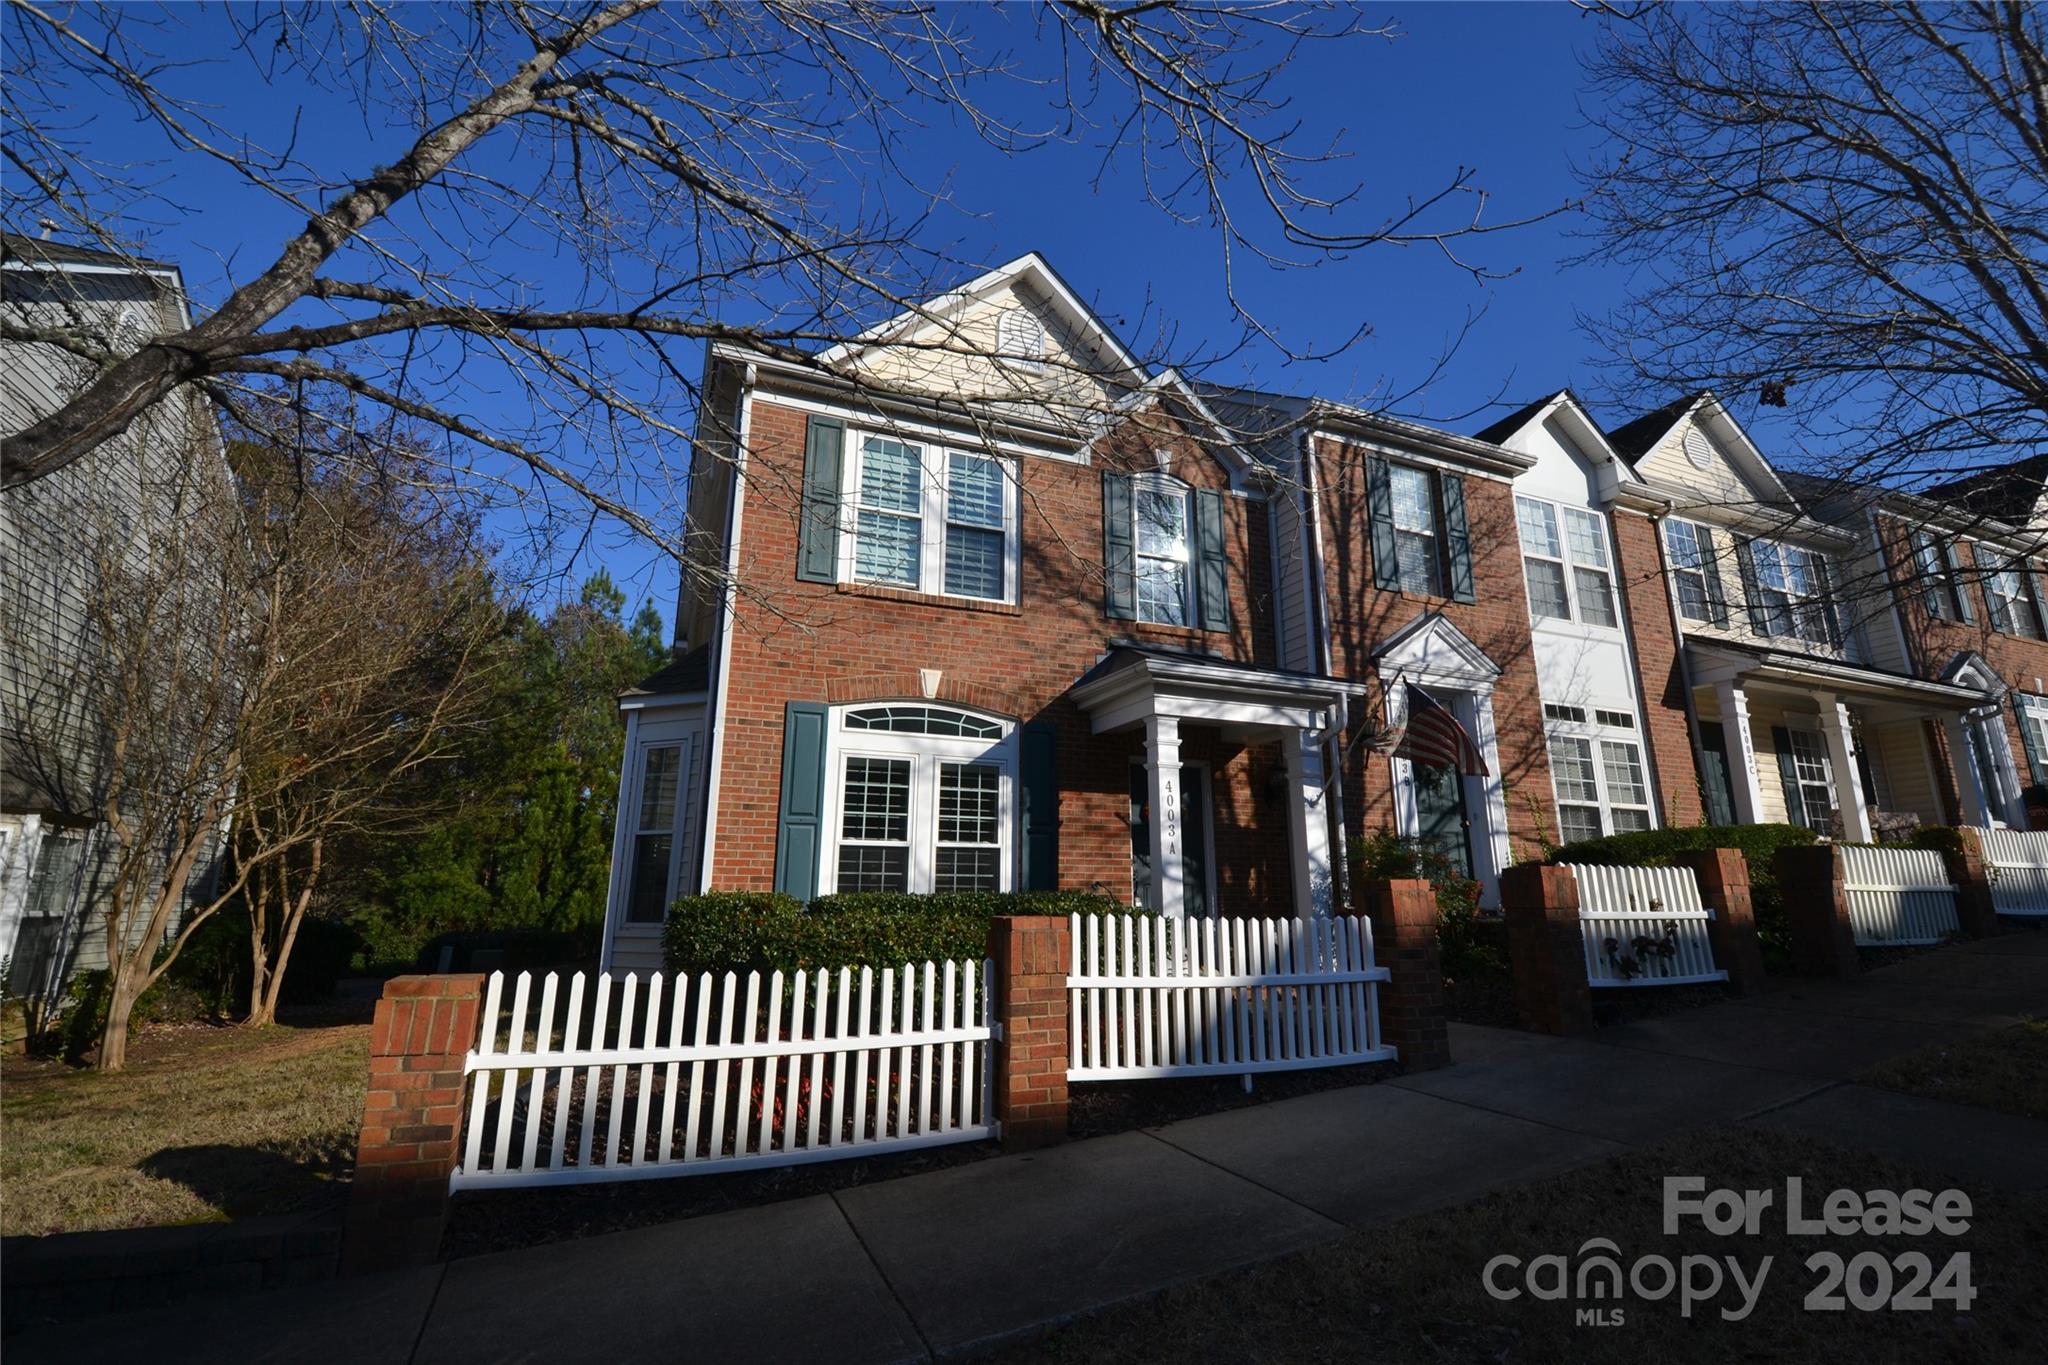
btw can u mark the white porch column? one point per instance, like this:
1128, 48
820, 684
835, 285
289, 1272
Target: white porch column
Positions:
1742, 779
1308, 821
1841, 742
1162, 776
1963, 761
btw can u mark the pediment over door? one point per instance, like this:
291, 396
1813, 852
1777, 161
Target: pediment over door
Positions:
1431, 649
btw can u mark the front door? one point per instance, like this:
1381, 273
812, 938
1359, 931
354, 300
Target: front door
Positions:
1194, 824
1440, 819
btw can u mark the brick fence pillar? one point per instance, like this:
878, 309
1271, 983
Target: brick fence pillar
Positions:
1975, 910
1405, 942
1547, 948
1724, 888
412, 1121
1817, 911
1031, 956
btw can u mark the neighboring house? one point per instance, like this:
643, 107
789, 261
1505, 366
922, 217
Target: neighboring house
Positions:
1958, 591
1800, 714
53, 843
952, 622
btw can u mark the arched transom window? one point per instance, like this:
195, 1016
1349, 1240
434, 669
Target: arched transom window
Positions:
923, 800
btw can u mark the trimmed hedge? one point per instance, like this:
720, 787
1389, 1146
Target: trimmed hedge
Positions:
1758, 845
742, 931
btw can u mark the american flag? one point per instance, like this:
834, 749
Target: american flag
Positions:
1432, 737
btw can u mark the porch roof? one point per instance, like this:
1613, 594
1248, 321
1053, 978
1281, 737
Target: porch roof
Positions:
1133, 682
1718, 660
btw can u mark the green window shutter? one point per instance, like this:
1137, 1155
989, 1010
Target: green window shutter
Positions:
799, 832
1830, 613
1752, 596
1379, 503
1039, 766
1714, 777
1995, 607
2038, 582
1788, 776
1212, 563
817, 553
1457, 540
1710, 570
1964, 607
2037, 762
1119, 556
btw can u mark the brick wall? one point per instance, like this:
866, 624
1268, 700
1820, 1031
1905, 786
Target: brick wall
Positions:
1932, 644
1363, 616
798, 641
1639, 560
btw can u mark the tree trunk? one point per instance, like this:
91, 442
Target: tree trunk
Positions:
120, 1005
259, 956
292, 913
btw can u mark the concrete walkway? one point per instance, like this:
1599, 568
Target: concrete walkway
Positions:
934, 1264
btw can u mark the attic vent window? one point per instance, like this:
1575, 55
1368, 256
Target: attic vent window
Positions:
1020, 338
1699, 449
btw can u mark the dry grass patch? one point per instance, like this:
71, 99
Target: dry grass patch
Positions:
206, 1124
2006, 1071
1411, 1292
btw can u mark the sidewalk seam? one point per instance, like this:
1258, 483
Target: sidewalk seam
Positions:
1240, 1175
419, 1337
1511, 1114
883, 1276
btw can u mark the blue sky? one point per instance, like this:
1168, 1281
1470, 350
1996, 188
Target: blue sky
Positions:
1491, 86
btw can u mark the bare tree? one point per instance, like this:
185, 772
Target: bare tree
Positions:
696, 163
1840, 209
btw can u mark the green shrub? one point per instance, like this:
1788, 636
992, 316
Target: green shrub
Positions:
1471, 946
1940, 838
1758, 845
741, 931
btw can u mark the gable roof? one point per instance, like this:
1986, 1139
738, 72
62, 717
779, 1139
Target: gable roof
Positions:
1516, 420
2009, 493
1031, 269
1635, 439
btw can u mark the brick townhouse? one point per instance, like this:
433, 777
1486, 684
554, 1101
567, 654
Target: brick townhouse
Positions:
978, 602
1962, 598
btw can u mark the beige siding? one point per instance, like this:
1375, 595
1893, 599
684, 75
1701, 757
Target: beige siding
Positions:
1906, 781
1720, 485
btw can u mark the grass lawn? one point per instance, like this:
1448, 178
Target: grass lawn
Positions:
207, 1123
1411, 1292
2006, 1070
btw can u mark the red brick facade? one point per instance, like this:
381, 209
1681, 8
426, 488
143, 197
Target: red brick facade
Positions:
803, 641
1363, 616
1933, 643
1660, 672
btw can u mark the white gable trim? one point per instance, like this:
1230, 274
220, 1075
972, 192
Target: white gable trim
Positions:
1431, 648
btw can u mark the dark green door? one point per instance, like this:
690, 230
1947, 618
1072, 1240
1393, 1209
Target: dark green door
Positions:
1440, 814
1194, 824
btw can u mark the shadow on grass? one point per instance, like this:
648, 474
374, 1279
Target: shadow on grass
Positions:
250, 1182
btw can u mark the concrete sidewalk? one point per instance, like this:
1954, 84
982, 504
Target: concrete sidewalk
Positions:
938, 1263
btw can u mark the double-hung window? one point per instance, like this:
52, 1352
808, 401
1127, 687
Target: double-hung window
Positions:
930, 520
1415, 530
1791, 588
1602, 786
1939, 590
1570, 575
652, 839
1159, 506
1812, 779
1693, 572
924, 799
2011, 602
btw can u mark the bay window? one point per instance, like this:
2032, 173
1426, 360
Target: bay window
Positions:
923, 800
935, 521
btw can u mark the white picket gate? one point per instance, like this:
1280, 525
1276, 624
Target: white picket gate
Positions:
1644, 926
1206, 997
1898, 895
849, 1064
2017, 860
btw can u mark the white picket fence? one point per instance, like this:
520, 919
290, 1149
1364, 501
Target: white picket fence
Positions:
2017, 860
1898, 895
1644, 926
1205, 997
813, 1068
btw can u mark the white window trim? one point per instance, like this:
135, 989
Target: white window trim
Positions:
1594, 733
657, 735
1795, 600
1162, 482
1708, 572
935, 460
925, 752
1794, 734
1440, 571
1560, 512
2023, 596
